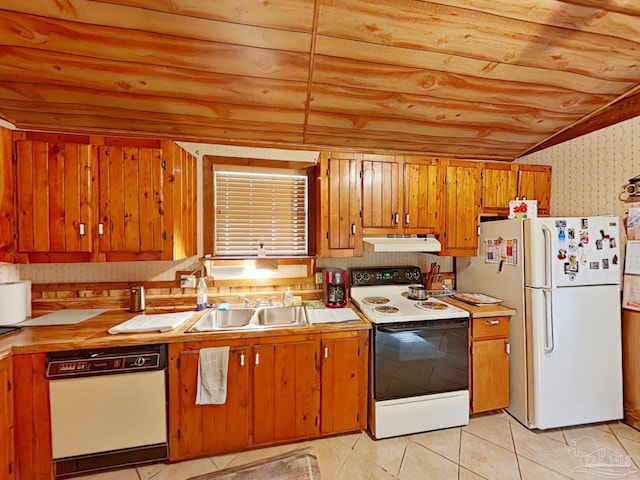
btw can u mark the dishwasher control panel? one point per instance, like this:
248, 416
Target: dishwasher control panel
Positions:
106, 361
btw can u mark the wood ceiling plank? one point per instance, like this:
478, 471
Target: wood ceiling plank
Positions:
435, 150
628, 7
587, 16
428, 26
63, 119
396, 56
169, 108
144, 48
294, 15
440, 84
23, 65
130, 23
356, 101
361, 125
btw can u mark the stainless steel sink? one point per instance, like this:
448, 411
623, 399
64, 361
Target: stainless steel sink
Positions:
250, 319
281, 316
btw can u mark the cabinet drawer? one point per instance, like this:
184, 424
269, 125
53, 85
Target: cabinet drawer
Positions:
490, 327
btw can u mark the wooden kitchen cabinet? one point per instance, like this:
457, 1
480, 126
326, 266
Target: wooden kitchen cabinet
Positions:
399, 195
340, 232
33, 448
504, 182
499, 186
534, 183
7, 453
461, 198
489, 372
286, 387
344, 374
81, 198
197, 430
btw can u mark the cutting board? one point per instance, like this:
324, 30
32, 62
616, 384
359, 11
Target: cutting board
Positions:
64, 317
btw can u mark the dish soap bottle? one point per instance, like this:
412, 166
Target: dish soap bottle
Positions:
288, 298
201, 299
261, 251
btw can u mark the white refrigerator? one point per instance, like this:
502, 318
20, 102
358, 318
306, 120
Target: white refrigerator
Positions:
562, 276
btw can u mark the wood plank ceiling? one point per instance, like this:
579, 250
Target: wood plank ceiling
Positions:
486, 79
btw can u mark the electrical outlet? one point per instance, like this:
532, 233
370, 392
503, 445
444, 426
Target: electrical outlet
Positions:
318, 277
187, 281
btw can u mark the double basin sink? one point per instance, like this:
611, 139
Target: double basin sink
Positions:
247, 318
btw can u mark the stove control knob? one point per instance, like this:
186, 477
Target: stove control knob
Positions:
140, 361
366, 277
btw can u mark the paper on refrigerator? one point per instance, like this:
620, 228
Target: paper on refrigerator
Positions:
502, 251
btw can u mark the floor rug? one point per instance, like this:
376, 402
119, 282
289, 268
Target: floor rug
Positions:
300, 464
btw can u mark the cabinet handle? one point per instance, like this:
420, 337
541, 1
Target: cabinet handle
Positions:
242, 359
257, 359
101, 229
395, 218
492, 322
326, 352
507, 348
82, 229
353, 228
406, 219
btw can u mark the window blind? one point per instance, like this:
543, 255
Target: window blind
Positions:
254, 208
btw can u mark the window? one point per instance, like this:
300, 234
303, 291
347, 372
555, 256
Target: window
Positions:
254, 208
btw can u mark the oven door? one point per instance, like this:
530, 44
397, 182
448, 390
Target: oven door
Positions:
420, 358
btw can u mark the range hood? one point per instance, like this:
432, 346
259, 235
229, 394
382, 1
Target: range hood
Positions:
401, 243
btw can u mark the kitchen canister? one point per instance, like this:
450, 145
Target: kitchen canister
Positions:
14, 297
136, 299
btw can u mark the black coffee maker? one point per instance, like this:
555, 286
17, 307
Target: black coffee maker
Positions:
334, 287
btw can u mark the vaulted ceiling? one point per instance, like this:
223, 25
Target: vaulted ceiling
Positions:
486, 79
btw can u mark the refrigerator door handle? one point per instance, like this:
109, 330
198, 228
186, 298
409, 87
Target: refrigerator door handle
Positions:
549, 344
547, 234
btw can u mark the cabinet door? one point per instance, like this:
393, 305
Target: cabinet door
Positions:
534, 183
130, 203
344, 383
380, 195
340, 216
461, 207
54, 192
198, 430
7, 461
421, 196
489, 375
286, 391
499, 186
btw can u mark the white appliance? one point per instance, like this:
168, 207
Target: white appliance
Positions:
419, 354
562, 276
401, 243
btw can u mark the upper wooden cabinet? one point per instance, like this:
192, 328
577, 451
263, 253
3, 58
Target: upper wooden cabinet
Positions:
461, 198
399, 194
504, 182
534, 183
79, 198
340, 232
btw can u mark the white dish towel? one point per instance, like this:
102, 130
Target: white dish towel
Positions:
212, 376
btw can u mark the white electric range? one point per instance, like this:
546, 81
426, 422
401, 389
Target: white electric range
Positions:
420, 352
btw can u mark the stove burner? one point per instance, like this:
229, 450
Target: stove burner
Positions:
375, 300
386, 309
431, 306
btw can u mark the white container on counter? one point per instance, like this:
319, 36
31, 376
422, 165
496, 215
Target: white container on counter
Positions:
15, 302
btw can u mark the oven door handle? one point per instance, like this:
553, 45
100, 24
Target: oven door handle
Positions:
387, 329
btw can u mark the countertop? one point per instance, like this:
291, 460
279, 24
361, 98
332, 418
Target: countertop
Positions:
92, 333
491, 310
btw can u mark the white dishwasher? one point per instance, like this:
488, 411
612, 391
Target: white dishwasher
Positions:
108, 408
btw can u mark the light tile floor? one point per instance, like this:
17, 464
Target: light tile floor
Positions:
493, 446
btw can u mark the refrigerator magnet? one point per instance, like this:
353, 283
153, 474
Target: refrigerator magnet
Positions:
571, 233
605, 263
614, 260
584, 223
612, 242
562, 254
599, 244
584, 236
594, 265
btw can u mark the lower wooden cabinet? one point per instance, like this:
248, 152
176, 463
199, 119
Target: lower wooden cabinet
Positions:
279, 389
344, 381
7, 454
197, 430
489, 383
